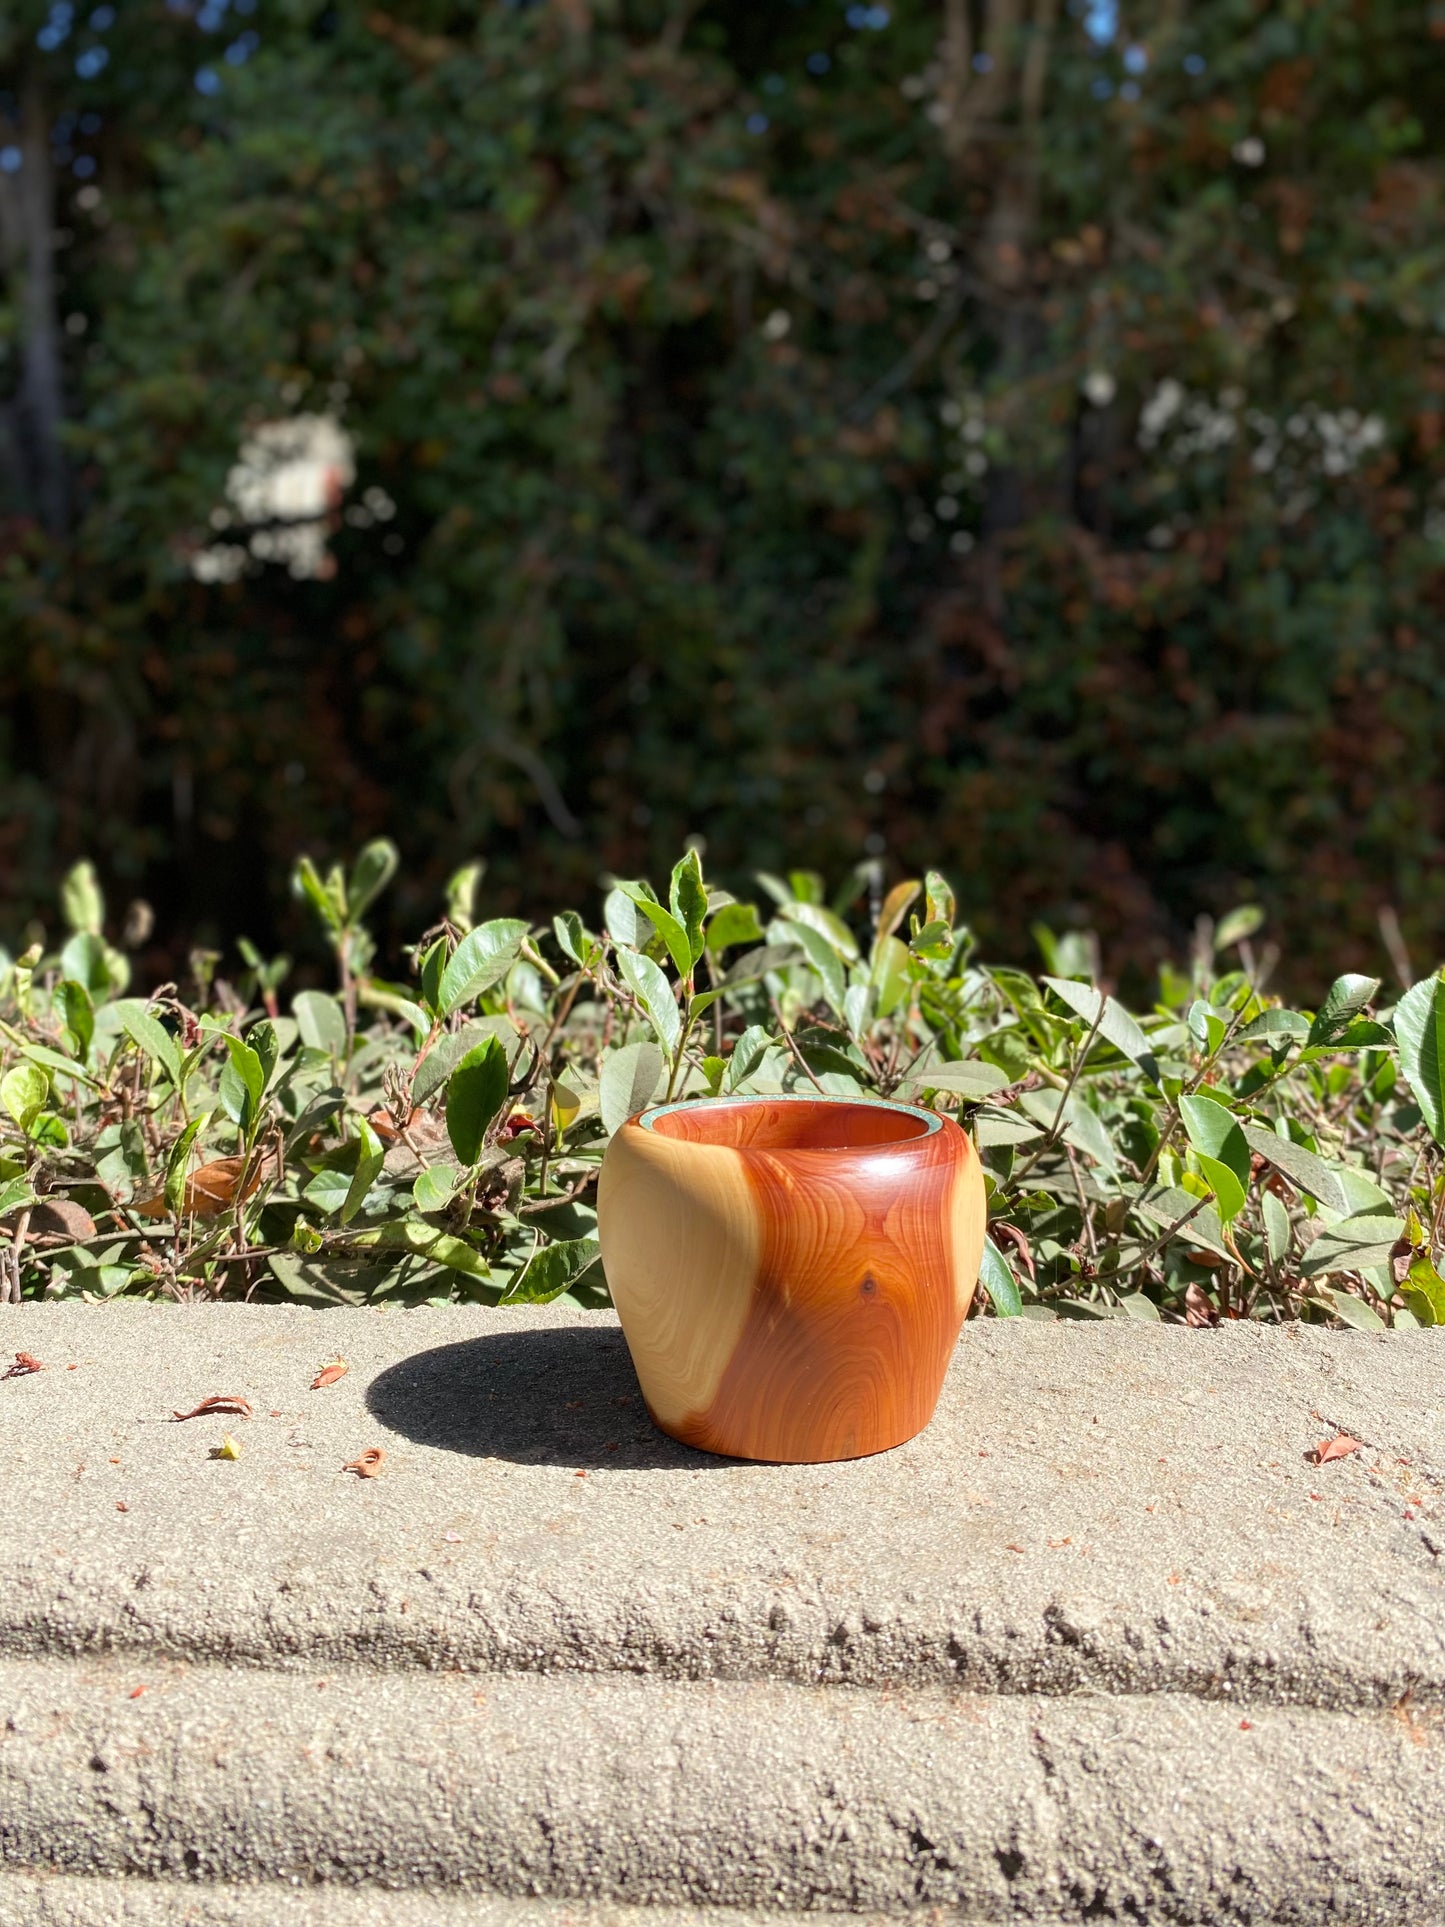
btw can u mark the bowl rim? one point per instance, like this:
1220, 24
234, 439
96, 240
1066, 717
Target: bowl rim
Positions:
932, 1122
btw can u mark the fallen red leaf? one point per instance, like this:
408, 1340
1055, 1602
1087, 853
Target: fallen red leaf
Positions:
1019, 1242
222, 1402
1199, 1309
212, 1188
368, 1464
25, 1363
121, 1506
386, 1125
59, 1217
136, 1691
1339, 1447
328, 1375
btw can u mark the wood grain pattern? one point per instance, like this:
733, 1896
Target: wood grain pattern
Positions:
791, 1273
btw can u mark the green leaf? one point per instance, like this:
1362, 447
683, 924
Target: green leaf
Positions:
24, 1091
1424, 1292
747, 1053
432, 966
1277, 1228
551, 1270
628, 1083
1351, 1310
370, 1156
319, 1021
56, 1061
1117, 1026
734, 923
688, 897
447, 1052
1165, 1205
1214, 1132
666, 925
831, 928
1274, 1026
462, 894
933, 940
327, 899
373, 869
1238, 924
571, 936
626, 928
994, 1127
481, 959
754, 964
938, 899
826, 961
998, 1281
151, 1038
654, 993
1140, 1307
1420, 1031
178, 1164
890, 973
86, 960
713, 1069
972, 1079
75, 1001
15, 1195
436, 1187
1228, 1191
264, 1041
1302, 1167
251, 1076
328, 1190
1354, 1244
1346, 997
81, 903
476, 1091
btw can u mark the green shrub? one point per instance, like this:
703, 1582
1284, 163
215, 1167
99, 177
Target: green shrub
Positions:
439, 1139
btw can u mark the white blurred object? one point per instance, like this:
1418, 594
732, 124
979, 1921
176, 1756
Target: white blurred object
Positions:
287, 489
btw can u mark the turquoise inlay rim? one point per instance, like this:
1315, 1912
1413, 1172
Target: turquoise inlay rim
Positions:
931, 1120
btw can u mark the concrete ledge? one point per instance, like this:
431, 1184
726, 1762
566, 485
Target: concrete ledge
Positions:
1103, 1643
745, 1794
1110, 1506
62, 1900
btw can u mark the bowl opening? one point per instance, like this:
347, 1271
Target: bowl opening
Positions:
790, 1123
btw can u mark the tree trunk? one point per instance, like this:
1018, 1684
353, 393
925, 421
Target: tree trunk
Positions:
33, 420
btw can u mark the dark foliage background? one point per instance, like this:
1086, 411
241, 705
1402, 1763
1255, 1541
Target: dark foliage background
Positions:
995, 434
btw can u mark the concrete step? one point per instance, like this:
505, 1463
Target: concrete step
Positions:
1099, 1507
1102, 1643
64, 1900
745, 1794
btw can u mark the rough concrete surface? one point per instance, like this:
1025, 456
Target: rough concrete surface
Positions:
1102, 1643
62, 1900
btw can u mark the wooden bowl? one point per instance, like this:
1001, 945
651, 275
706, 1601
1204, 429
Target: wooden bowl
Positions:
791, 1272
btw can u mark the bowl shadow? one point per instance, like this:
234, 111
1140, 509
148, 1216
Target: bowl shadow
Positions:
559, 1397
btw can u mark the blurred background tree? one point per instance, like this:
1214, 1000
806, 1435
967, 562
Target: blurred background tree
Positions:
1004, 434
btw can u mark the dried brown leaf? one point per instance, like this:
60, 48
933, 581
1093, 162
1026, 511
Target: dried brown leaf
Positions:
1020, 1244
211, 1189
368, 1465
60, 1218
1199, 1307
1339, 1447
25, 1363
221, 1402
